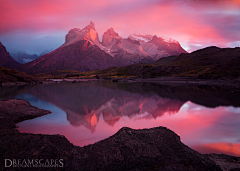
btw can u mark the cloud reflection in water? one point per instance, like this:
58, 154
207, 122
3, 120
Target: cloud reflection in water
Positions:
88, 113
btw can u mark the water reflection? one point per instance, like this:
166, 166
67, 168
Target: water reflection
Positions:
86, 113
85, 103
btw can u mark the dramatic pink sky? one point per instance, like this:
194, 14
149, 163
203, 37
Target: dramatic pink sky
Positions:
37, 25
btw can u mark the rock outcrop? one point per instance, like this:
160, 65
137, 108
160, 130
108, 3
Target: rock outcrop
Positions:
19, 110
147, 149
88, 33
109, 38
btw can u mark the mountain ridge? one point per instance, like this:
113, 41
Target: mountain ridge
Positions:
66, 57
91, 54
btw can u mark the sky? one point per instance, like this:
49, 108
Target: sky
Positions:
34, 26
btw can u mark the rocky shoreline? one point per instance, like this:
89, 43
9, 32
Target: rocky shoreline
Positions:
147, 149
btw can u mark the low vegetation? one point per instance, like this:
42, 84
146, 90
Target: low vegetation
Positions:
12, 75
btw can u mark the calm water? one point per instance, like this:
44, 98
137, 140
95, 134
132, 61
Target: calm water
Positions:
206, 119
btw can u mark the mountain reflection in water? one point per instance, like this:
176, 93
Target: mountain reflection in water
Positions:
202, 116
84, 104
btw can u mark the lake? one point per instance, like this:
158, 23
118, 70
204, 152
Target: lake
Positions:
206, 118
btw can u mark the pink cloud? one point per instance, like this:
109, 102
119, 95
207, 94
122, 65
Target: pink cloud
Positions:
173, 22
205, 22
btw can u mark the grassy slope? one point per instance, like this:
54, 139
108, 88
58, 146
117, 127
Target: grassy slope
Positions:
12, 75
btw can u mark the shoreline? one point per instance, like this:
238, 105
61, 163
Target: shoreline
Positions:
186, 81
195, 81
128, 149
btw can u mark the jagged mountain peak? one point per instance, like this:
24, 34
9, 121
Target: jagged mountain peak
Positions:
110, 37
74, 30
133, 41
90, 26
111, 31
87, 33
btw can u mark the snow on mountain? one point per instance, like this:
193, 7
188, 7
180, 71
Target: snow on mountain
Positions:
140, 38
169, 40
143, 46
147, 38
158, 47
126, 51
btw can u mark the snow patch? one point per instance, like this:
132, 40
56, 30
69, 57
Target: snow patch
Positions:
168, 40
147, 38
141, 38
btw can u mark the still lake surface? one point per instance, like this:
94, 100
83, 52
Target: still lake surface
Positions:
207, 119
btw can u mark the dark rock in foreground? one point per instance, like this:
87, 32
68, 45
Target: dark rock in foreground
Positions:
147, 149
20, 110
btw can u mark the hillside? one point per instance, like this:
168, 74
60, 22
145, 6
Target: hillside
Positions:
13, 76
81, 56
6, 60
210, 62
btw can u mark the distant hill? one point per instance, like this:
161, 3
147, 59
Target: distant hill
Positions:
23, 57
209, 56
208, 62
165, 60
5, 59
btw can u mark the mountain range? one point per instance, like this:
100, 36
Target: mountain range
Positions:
83, 51
23, 57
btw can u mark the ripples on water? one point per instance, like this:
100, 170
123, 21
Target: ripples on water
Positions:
207, 119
